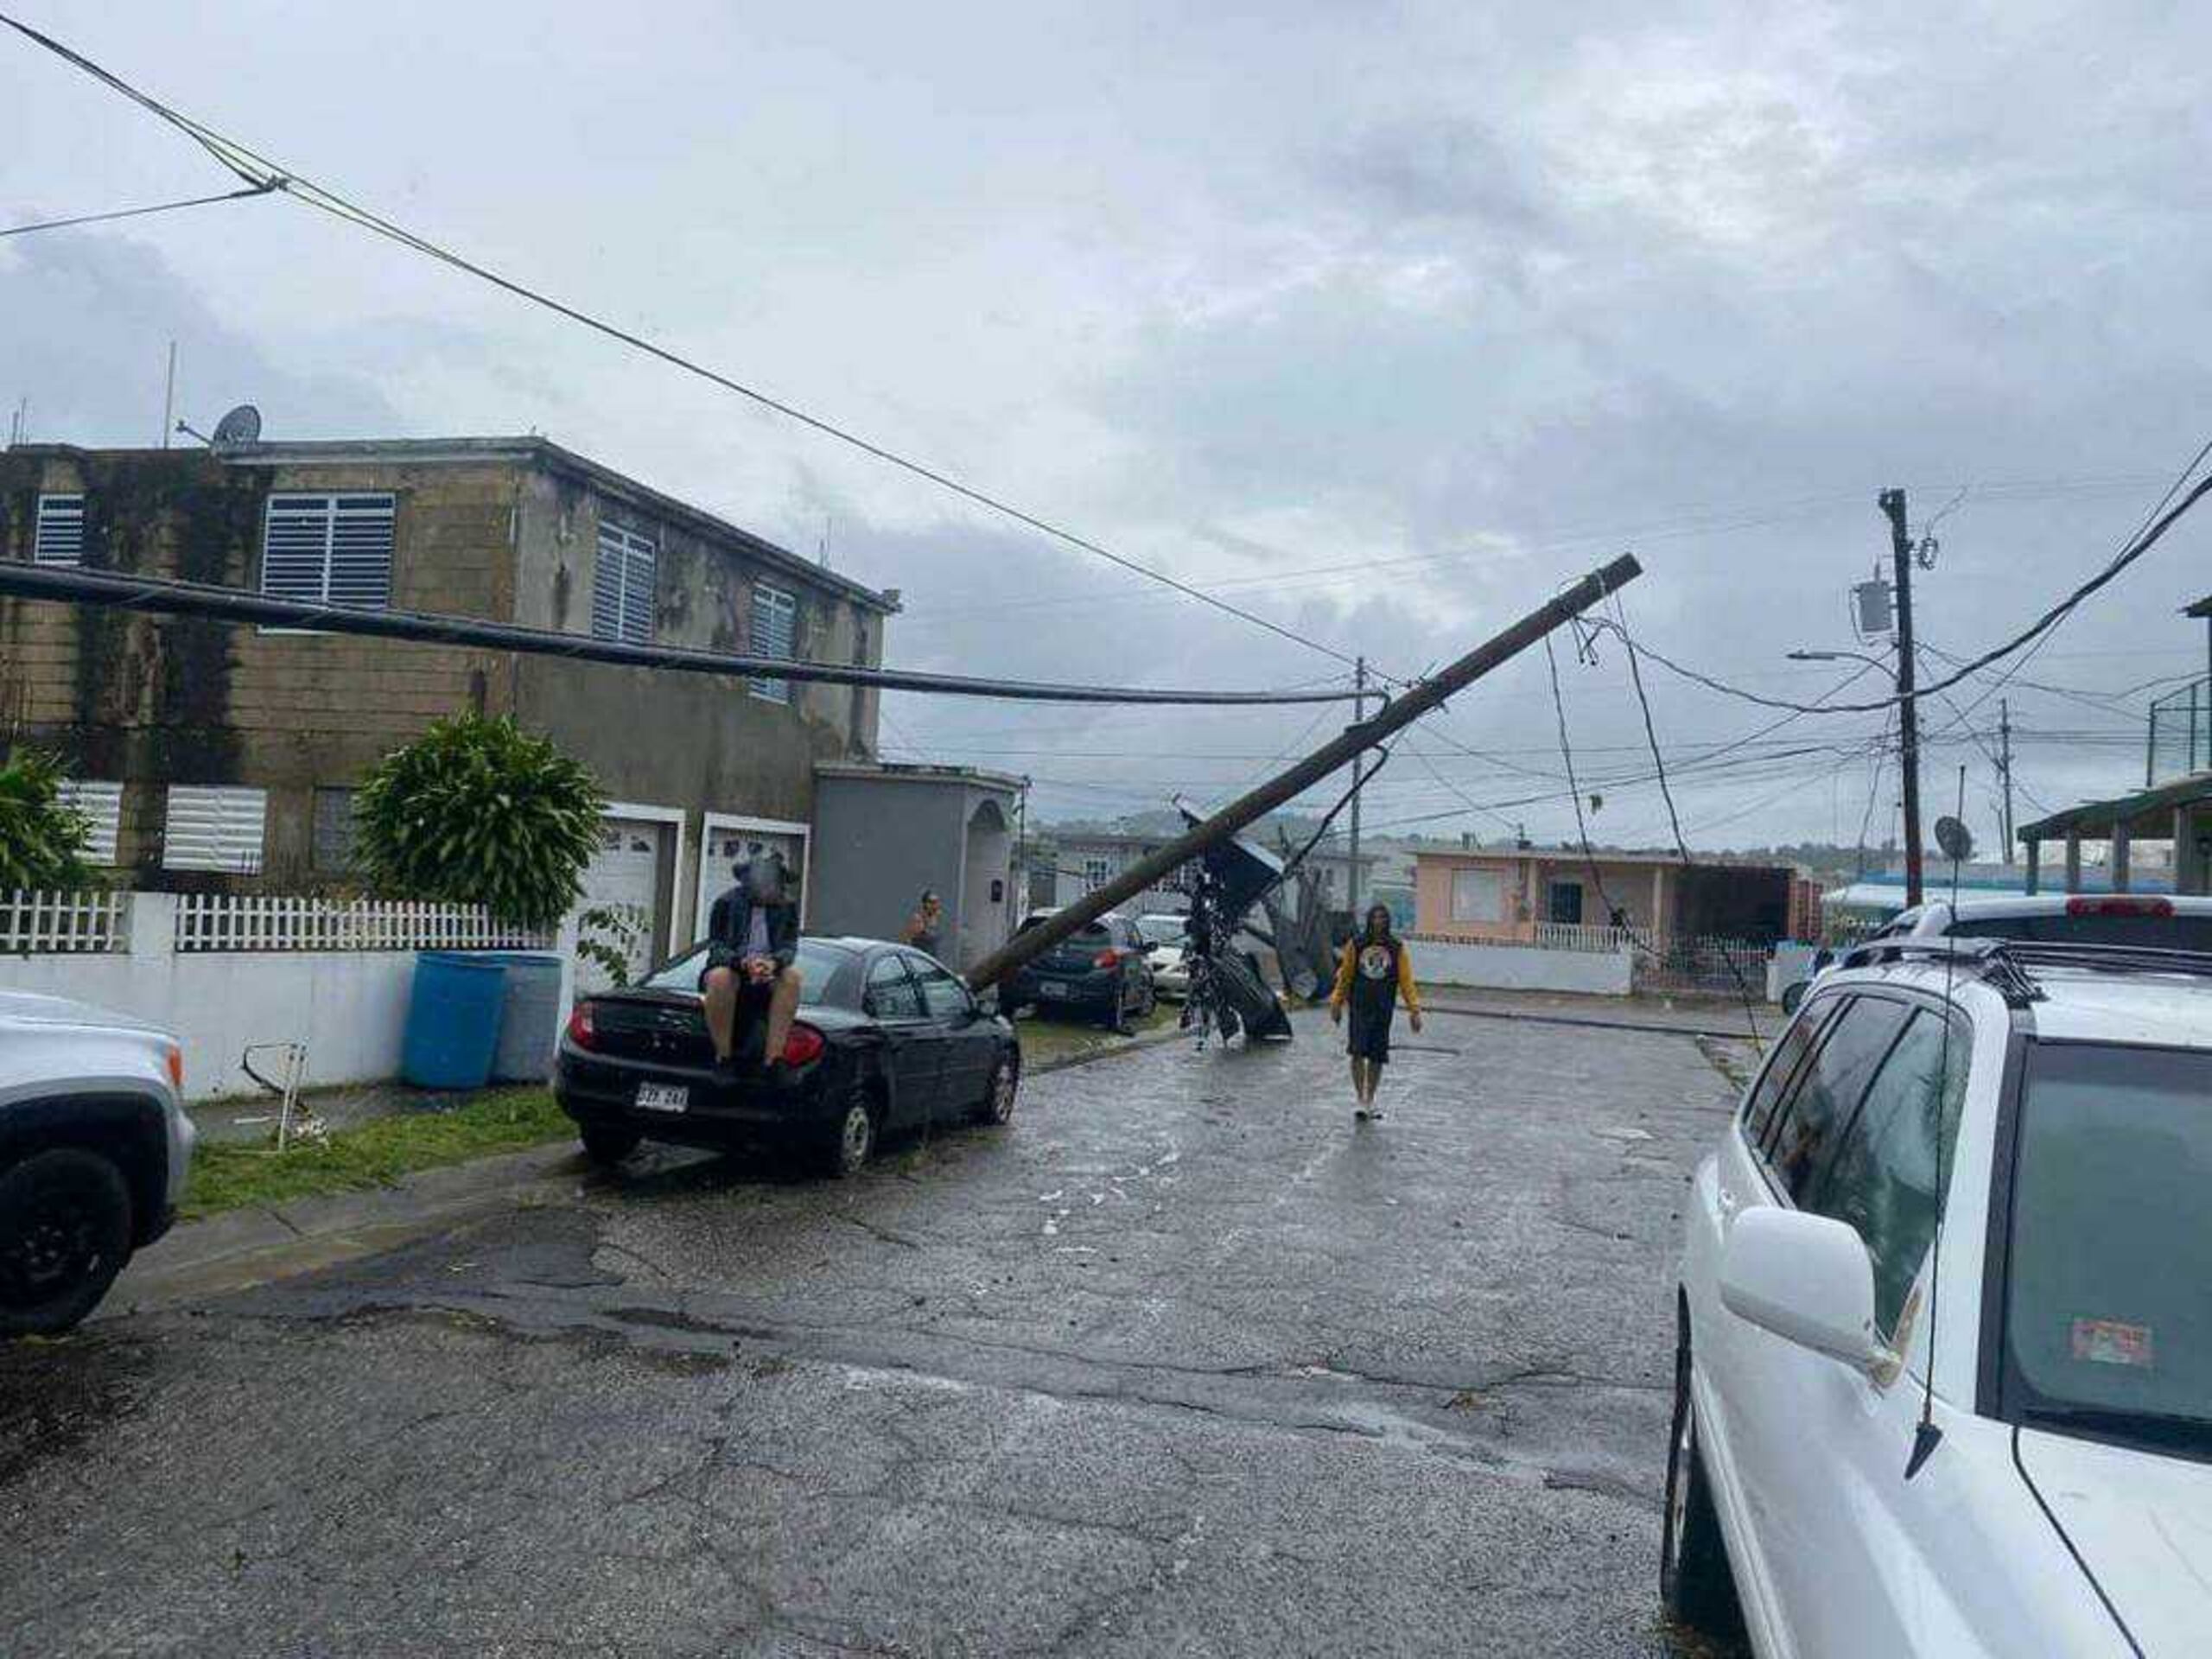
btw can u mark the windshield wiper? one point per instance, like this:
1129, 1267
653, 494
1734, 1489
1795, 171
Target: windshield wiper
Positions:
2172, 1430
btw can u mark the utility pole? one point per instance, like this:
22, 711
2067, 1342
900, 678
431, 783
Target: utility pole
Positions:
168, 398
1892, 503
2005, 768
1358, 775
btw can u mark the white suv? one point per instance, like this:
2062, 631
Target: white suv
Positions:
95, 1145
2000, 1445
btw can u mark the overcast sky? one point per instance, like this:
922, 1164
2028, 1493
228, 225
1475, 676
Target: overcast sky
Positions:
1385, 320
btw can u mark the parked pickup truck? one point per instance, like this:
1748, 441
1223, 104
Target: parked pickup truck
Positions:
94, 1144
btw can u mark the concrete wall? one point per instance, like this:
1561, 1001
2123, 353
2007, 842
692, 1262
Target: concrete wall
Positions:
878, 841
349, 1006
1644, 892
1508, 967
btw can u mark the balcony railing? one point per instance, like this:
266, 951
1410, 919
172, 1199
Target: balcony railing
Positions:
2181, 733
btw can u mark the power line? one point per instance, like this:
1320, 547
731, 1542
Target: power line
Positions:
265, 175
2142, 543
140, 212
162, 596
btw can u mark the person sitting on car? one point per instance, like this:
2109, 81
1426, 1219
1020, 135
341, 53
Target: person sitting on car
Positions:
752, 939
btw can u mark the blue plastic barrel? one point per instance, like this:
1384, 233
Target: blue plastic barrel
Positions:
529, 1017
452, 1020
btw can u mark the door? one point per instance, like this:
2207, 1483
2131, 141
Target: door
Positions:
1563, 902
725, 845
893, 1000
1862, 1584
967, 1043
621, 895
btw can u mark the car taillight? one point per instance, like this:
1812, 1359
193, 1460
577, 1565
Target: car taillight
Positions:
581, 1031
803, 1046
173, 1063
1107, 959
2116, 905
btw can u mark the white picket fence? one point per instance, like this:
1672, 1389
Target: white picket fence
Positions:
1571, 936
50, 923
208, 921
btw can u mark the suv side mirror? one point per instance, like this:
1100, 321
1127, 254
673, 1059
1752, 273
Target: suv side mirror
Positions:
1807, 1279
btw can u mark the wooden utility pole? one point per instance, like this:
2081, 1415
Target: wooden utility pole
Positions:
1358, 768
1892, 503
1296, 779
2005, 768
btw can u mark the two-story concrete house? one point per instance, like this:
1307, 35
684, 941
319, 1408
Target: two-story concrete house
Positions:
210, 753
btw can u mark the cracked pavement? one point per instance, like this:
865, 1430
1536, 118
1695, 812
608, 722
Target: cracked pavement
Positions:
1183, 1362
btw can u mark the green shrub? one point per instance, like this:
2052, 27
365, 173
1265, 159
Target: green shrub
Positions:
477, 811
41, 841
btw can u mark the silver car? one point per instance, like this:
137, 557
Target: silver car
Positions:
94, 1146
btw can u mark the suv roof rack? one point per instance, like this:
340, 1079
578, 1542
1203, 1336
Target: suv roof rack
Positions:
2004, 965
1990, 959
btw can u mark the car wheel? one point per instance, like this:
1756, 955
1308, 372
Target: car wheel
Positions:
1696, 1584
997, 1104
1792, 995
608, 1143
851, 1142
65, 1233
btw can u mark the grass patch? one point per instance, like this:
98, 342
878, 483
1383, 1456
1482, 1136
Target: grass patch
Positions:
1046, 1040
375, 1153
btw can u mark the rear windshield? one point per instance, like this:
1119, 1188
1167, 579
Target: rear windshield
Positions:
1161, 930
2108, 1322
2163, 932
817, 965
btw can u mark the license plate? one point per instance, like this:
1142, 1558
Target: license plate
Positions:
660, 1097
1052, 988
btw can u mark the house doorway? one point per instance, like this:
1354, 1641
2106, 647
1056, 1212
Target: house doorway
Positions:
986, 885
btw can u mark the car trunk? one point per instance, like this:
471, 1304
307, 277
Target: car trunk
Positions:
1074, 956
658, 1028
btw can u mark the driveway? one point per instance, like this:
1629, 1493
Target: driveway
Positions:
1183, 1362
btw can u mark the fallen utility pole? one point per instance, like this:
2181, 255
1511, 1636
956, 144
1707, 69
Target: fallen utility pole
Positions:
1288, 785
161, 596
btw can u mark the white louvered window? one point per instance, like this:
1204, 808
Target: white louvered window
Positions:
100, 805
329, 550
214, 828
775, 633
59, 537
622, 587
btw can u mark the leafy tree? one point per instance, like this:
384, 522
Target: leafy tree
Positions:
43, 841
477, 812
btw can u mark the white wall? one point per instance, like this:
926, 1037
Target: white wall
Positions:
349, 1006
1523, 968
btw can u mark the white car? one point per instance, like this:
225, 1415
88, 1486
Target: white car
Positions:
1165, 937
2058, 1343
95, 1145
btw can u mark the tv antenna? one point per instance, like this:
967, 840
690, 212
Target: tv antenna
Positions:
242, 426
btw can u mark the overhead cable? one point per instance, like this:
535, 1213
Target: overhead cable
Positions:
140, 212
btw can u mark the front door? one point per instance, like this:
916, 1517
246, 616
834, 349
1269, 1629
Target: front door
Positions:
1563, 903
965, 1040
911, 1056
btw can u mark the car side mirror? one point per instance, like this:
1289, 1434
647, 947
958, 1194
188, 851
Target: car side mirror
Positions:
1806, 1279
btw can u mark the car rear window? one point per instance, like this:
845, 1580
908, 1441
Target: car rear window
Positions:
817, 965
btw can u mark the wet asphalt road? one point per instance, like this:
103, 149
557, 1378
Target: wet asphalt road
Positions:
1180, 1364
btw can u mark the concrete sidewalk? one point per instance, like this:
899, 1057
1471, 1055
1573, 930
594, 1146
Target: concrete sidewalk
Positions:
1685, 1016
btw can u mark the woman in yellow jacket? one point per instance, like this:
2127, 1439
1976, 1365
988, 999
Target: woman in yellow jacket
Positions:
1375, 971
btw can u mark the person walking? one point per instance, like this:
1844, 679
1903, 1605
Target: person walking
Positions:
925, 927
1375, 971
752, 943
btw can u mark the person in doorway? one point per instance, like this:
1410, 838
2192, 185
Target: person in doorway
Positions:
925, 927
751, 971
1375, 971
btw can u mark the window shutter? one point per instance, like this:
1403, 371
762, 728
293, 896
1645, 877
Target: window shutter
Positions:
775, 631
329, 550
623, 574
214, 828
101, 807
59, 537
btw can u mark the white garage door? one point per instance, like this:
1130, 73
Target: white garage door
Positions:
728, 844
624, 879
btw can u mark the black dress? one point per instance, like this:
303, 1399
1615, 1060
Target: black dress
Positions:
1374, 999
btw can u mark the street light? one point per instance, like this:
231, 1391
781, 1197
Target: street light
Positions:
1843, 657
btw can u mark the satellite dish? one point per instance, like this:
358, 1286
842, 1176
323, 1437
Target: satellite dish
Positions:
241, 426
1956, 839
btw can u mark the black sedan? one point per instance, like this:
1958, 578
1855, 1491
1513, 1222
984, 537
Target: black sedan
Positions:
885, 1038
